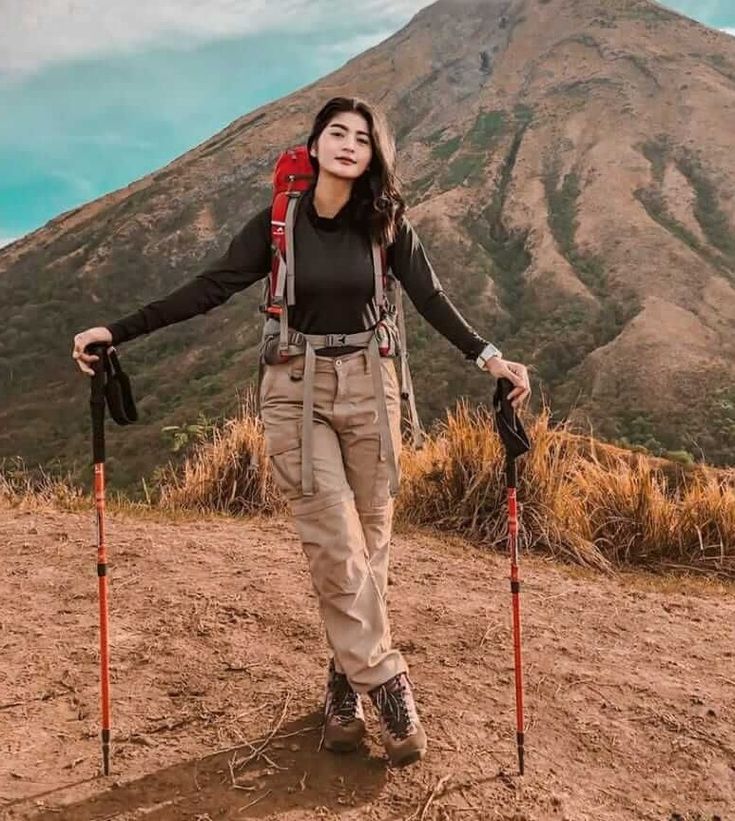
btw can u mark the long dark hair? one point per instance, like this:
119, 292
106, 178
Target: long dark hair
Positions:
376, 197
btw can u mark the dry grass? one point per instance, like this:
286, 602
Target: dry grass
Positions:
24, 488
218, 477
458, 484
580, 501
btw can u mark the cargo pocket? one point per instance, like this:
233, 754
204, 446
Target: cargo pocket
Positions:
283, 449
271, 384
370, 477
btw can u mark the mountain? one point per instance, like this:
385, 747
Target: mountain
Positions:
569, 166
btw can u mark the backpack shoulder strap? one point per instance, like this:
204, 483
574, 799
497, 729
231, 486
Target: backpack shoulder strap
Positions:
292, 175
283, 219
379, 261
389, 297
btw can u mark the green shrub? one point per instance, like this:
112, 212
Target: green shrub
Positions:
181, 436
444, 151
681, 456
460, 168
487, 126
563, 205
657, 151
710, 216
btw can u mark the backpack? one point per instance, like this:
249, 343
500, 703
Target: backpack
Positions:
292, 176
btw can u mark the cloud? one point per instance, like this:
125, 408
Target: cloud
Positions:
76, 183
357, 44
39, 33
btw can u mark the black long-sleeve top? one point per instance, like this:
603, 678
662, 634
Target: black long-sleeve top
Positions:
334, 281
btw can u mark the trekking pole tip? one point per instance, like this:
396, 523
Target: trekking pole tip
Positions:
521, 753
105, 751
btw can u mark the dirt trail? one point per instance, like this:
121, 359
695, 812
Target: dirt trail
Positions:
216, 638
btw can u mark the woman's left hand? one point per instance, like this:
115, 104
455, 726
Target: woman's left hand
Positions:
518, 375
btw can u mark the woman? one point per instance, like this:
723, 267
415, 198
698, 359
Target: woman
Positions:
344, 522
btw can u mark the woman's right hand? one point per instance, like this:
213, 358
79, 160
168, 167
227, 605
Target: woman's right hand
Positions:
91, 335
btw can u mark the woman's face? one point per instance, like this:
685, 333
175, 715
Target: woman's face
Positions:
343, 148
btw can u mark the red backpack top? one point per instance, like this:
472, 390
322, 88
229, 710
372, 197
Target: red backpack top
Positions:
293, 174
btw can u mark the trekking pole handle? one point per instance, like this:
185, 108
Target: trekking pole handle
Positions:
97, 400
97, 349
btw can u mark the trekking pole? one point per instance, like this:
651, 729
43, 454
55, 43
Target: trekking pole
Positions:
515, 588
516, 443
111, 385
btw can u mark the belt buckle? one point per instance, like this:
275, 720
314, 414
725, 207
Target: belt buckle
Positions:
297, 338
332, 340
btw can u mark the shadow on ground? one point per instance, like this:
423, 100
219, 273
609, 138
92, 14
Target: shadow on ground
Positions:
290, 773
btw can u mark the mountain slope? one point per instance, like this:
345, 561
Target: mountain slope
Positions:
569, 167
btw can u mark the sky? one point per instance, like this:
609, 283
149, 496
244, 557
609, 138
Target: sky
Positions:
97, 93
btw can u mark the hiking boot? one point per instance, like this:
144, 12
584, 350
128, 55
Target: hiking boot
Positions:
344, 719
400, 729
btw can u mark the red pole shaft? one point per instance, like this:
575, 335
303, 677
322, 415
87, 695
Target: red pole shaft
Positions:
515, 587
99, 497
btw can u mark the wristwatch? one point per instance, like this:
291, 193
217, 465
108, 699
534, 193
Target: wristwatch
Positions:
487, 353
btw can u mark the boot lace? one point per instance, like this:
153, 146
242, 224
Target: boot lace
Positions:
394, 700
343, 699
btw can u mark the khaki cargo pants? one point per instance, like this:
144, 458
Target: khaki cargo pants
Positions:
345, 527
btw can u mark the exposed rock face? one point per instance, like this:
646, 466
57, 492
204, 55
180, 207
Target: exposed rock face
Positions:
569, 165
